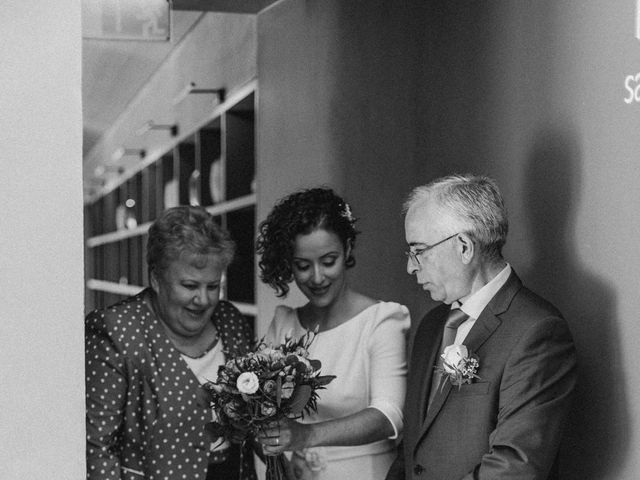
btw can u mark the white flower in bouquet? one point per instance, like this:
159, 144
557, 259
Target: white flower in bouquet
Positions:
248, 383
269, 354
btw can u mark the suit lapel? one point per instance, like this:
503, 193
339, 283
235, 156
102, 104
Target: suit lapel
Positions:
489, 318
425, 349
483, 328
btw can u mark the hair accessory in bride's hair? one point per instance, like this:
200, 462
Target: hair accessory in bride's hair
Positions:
346, 213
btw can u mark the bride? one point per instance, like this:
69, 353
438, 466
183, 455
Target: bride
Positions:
309, 238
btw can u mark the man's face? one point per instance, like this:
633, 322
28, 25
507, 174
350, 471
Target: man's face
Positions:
440, 270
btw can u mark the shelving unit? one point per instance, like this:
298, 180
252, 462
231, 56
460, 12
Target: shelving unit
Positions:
213, 166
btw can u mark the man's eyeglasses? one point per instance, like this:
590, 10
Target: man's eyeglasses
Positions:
414, 255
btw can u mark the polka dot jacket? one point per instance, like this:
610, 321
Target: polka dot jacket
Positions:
144, 416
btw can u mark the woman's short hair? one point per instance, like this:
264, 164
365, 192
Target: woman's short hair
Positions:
187, 230
301, 213
473, 200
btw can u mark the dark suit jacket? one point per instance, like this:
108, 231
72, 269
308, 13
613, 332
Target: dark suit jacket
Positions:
508, 423
145, 418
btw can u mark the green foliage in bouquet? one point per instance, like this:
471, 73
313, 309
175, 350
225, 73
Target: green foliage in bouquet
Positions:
264, 386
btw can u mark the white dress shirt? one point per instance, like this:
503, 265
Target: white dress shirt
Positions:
474, 304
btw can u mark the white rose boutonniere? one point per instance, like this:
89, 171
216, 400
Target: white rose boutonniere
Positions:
459, 365
307, 464
315, 459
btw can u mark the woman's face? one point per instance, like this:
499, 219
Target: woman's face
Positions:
319, 266
187, 293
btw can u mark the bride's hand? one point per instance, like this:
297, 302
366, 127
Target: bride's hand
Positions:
285, 435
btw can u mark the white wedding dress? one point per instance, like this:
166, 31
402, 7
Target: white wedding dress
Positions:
367, 356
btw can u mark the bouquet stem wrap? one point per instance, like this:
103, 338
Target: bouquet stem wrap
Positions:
276, 467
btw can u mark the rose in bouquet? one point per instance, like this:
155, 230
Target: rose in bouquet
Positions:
265, 386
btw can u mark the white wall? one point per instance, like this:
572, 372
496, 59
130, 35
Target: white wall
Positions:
41, 237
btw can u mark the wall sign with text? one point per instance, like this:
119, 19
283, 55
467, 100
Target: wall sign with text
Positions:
126, 19
638, 19
632, 82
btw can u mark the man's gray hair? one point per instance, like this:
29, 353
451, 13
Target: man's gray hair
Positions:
475, 201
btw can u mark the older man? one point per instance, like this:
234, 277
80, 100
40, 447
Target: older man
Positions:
492, 369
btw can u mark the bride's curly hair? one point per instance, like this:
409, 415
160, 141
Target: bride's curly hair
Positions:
300, 213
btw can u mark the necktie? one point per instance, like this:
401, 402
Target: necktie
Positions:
455, 318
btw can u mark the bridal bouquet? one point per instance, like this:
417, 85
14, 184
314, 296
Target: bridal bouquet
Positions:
265, 386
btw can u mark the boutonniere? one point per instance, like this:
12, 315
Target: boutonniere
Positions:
459, 366
315, 459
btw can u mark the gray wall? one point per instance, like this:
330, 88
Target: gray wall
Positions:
533, 94
376, 97
338, 107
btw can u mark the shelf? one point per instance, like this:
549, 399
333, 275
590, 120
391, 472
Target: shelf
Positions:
232, 205
218, 209
118, 235
129, 290
233, 98
213, 165
226, 6
113, 287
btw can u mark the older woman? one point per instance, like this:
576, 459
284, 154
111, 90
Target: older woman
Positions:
147, 356
309, 238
